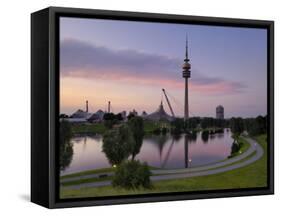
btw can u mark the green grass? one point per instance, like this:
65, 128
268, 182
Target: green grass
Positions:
150, 126
95, 171
88, 180
98, 128
253, 175
88, 172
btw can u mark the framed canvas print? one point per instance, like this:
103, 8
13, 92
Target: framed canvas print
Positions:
138, 107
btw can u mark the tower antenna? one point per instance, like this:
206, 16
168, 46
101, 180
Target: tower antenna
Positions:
186, 48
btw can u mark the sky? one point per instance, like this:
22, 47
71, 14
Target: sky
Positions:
129, 62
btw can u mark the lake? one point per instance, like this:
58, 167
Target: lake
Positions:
161, 151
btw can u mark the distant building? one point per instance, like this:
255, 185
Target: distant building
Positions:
100, 113
96, 117
81, 116
159, 115
220, 112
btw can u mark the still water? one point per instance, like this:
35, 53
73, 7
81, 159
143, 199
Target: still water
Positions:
162, 151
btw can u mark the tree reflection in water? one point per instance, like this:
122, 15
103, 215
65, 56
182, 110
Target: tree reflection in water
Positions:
186, 159
163, 140
66, 147
205, 136
159, 141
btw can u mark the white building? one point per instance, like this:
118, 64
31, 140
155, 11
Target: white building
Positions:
219, 112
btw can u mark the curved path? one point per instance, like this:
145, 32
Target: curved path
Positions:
167, 174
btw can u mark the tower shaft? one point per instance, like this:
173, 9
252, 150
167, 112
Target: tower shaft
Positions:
186, 75
186, 111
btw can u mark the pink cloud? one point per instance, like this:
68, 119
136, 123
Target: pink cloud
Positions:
79, 59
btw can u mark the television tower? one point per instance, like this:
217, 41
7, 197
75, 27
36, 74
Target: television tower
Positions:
186, 74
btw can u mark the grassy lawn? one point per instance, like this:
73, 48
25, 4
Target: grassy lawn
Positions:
98, 128
88, 180
88, 172
253, 175
150, 126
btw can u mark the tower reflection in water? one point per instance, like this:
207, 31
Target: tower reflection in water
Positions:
186, 158
165, 159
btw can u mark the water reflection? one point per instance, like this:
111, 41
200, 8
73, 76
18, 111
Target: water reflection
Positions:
205, 136
186, 160
65, 145
163, 151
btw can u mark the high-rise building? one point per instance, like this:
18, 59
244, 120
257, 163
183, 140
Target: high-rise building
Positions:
186, 74
219, 112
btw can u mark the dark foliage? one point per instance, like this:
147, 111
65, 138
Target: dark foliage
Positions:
110, 119
235, 148
132, 175
177, 126
256, 126
131, 115
237, 127
137, 128
118, 144
63, 116
66, 147
205, 136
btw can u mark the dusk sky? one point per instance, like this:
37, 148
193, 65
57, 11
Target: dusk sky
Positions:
128, 63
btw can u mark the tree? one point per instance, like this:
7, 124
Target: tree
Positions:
256, 126
66, 147
110, 119
63, 116
207, 122
191, 123
219, 123
118, 144
108, 116
131, 115
66, 155
237, 127
119, 117
177, 125
137, 128
235, 148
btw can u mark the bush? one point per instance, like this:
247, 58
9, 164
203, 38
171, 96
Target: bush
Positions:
164, 130
132, 175
157, 131
235, 148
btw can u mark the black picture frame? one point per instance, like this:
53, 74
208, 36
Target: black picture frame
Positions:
45, 106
